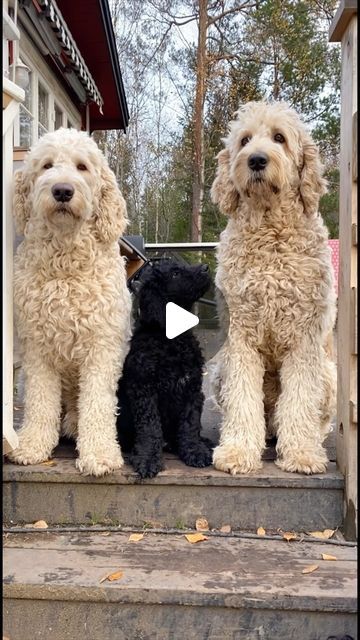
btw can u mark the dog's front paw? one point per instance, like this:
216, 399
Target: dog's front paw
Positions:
98, 464
236, 460
304, 461
147, 467
30, 450
199, 456
24, 455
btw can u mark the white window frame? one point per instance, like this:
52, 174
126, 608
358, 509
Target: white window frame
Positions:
42, 74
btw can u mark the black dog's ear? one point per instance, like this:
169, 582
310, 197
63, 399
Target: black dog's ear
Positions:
152, 304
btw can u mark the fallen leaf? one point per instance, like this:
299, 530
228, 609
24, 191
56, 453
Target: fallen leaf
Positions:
325, 535
310, 568
201, 524
135, 537
112, 576
40, 524
261, 531
288, 535
327, 556
49, 463
226, 528
105, 533
195, 537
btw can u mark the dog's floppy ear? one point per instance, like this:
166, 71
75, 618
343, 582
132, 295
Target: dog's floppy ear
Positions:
312, 183
110, 218
152, 304
21, 201
223, 192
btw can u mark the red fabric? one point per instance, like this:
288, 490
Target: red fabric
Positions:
334, 244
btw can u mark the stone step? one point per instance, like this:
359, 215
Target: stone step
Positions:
223, 588
271, 498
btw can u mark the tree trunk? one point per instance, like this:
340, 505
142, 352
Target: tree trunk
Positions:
198, 124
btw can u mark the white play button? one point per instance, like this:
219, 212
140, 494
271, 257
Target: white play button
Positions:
178, 320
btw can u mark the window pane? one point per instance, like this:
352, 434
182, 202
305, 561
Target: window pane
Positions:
43, 108
58, 117
28, 93
41, 130
26, 117
26, 121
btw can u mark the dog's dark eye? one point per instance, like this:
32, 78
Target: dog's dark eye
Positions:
81, 167
48, 165
278, 137
175, 274
245, 140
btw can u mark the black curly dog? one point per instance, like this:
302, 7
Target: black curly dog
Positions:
159, 394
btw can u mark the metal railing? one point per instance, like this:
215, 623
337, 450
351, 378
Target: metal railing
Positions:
181, 246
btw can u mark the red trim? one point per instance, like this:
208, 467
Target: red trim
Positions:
11, 52
85, 21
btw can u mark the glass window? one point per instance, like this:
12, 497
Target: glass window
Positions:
58, 117
43, 110
26, 117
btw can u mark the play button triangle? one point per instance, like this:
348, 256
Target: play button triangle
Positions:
178, 320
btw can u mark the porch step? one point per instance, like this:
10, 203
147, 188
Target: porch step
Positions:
223, 588
175, 498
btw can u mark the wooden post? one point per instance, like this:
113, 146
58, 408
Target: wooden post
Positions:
344, 30
12, 96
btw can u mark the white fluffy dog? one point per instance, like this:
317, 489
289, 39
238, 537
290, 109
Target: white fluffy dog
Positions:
72, 305
275, 272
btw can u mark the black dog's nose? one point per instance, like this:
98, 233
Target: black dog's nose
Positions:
205, 268
62, 191
257, 161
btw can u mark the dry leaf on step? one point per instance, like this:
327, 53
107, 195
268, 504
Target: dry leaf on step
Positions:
261, 531
201, 524
40, 524
327, 556
325, 535
226, 528
289, 535
112, 576
195, 537
49, 463
310, 568
135, 537
105, 533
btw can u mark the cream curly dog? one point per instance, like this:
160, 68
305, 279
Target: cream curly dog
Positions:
275, 272
72, 305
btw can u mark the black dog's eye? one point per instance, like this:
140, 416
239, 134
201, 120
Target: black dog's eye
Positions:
245, 140
175, 274
278, 137
48, 165
81, 167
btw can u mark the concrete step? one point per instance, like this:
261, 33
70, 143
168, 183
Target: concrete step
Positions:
223, 588
175, 498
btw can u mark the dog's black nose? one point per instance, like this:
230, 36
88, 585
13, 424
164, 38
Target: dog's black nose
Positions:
257, 161
62, 192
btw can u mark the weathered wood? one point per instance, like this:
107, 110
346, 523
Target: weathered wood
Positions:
354, 324
354, 158
346, 10
176, 497
354, 234
345, 28
260, 581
